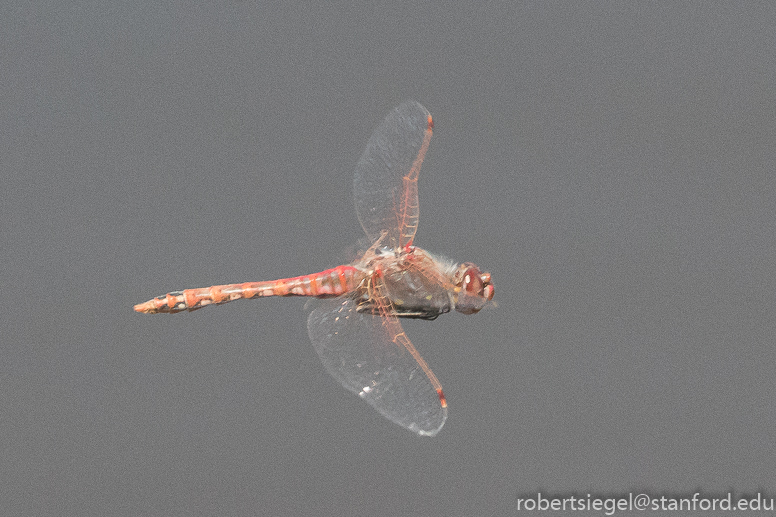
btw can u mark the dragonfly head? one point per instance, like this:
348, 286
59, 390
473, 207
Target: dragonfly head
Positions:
473, 289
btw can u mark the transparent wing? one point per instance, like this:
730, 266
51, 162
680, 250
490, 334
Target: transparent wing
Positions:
385, 187
371, 356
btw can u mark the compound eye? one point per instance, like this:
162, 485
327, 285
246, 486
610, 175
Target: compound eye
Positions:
471, 298
472, 282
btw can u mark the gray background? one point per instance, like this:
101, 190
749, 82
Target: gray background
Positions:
611, 164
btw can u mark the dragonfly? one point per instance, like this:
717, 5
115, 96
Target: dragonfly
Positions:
356, 328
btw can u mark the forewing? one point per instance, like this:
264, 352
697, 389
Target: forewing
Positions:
385, 187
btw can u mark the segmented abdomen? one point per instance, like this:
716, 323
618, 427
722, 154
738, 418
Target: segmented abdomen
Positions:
332, 282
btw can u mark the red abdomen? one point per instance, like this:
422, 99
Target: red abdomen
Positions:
326, 284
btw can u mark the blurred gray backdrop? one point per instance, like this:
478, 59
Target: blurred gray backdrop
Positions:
611, 164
